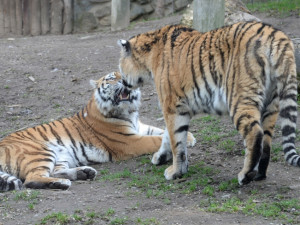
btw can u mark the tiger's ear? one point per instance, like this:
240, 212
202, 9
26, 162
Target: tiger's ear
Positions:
93, 83
125, 45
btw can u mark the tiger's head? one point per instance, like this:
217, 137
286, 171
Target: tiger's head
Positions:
113, 98
133, 63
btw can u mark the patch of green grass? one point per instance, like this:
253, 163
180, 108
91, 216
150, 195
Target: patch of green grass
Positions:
148, 221
26, 195
117, 221
286, 210
276, 152
110, 212
208, 190
56, 218
229, 185
228, 145
6, 87
116, 176
282, 7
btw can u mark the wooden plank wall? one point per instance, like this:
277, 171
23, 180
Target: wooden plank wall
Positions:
36, 17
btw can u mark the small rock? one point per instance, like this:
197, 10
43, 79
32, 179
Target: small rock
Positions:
31, 78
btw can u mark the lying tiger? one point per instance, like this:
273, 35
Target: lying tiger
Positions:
106, 129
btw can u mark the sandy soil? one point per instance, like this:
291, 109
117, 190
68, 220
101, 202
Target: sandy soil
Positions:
47, 77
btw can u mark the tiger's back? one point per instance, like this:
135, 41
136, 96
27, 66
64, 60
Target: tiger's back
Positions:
247, 70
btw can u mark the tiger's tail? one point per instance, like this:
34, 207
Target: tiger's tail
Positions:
287, 92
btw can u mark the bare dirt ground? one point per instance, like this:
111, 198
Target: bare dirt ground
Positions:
47, 77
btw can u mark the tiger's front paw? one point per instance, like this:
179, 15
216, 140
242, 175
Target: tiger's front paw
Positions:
191, 140
160, 158
173, 172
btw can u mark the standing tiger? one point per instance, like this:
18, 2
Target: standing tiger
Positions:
247, 70
106, 129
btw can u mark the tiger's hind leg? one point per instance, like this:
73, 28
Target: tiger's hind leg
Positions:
9, 183
247, 122
269, 119
62, 170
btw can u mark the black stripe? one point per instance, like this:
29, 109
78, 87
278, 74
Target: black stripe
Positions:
290, 140
69, 134
42, 134
279, 61
239, 120
248, 129
285, 113
256, 150
182, 129
124, 134
268, 114
266, 132
177, 144
58, 139
290, 155
37, 169
287, 130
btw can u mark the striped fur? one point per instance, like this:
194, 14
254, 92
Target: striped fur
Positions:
107, 129
246, 70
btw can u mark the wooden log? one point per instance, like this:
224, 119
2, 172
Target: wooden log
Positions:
12, 16
2, 32
26, 17
56, 16
6, 17
45, 16
19, 15
35, 17
68, 17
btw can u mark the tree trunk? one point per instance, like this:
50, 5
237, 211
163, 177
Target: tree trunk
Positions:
26, 17
35, 17
120, 14
160, 8
6, 17
2, 32
45, 16
12, 15
56, 16
19, 23
208, 14
68, 17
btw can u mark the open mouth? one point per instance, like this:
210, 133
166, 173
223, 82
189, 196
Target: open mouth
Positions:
124, 95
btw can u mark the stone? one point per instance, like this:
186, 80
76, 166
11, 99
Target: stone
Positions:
135, 11
142, 2
102, 10
105, 21
99, 1
239, 16
180, 4
148, 8
86, 22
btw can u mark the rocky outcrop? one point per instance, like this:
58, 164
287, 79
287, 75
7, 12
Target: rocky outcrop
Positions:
235, 11
94, 14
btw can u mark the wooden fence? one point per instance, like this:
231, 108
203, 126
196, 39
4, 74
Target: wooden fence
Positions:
36, 17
